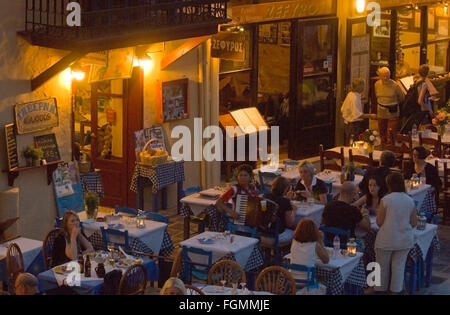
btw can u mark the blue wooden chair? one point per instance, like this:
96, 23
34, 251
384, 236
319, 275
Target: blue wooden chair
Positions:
157, 217
198, 270
236, 228
311, 280
331, 232
131, 211
116, 237
265, 180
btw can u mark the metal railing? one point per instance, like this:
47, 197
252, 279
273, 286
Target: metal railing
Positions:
104, 18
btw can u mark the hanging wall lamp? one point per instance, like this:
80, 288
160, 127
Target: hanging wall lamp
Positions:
77, 72
360, 6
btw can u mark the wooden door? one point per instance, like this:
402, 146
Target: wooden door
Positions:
312, 108
109, 108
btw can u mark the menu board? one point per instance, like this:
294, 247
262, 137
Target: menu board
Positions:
11, 147
49, 145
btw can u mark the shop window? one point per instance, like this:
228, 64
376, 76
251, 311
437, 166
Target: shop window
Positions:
318, 50
315, 101
82, 118
380, 42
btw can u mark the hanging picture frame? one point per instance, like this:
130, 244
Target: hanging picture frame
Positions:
268, 33
285, 33
384, 30
174, 100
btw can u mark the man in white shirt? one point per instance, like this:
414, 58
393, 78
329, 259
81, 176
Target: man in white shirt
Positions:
352, 111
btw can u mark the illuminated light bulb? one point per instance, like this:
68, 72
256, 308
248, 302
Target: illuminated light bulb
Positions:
446, 8
360, 6
146, 62
77, 72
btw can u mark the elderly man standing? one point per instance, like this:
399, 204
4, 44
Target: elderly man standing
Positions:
389, 97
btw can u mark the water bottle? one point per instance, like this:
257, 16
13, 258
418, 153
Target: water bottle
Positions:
336, 245
414, 131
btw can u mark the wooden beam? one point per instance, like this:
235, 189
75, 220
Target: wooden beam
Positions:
55, 69
181, 51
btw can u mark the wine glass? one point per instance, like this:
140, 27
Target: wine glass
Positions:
243, 284
223, 282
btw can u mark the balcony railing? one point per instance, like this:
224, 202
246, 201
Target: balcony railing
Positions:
114, 18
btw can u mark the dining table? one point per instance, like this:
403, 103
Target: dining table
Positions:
152, 239
242, 249
341, 270
308, 210
55, 277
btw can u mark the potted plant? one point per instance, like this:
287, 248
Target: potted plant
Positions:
441, 120
91, 200
28, 155
371, 138
38, 154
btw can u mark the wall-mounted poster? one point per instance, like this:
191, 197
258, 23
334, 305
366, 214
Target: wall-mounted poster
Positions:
141, 137
175, 100
36, 116
49, 146
11, 147
119, 66
268, 33
285, 33
384, 30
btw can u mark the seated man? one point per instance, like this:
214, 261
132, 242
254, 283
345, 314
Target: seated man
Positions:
26, 284
341, 214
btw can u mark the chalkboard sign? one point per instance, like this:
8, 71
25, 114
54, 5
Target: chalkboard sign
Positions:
11, 147
49, 145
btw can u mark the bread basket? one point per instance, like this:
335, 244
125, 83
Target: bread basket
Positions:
145, 157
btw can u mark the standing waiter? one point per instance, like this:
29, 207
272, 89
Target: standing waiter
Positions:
389, 97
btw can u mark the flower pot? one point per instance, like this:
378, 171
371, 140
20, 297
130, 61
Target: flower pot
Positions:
36, 162
92, 213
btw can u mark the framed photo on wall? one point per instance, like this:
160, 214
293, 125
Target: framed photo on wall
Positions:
285, 33
384, 30
268, 33
175, 105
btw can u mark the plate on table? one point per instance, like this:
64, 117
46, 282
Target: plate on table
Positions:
205, 240
124, 263
115, 226
61, 270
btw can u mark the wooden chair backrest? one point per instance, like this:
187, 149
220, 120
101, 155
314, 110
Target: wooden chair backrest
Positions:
327, 155
228, 270
176, 266
435, 143
133, 281
361, 159
47, 247
14, 265
276, 280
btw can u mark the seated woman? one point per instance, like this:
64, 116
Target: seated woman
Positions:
423, 168
173, 286
71, 242
309, 185
285, 212
306, 246
245, 187
371, 200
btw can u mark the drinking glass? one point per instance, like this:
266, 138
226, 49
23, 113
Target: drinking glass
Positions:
243, 284
223, 282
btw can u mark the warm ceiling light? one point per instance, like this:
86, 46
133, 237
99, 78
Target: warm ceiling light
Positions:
446, 8
142, 59
77, 72
360, 6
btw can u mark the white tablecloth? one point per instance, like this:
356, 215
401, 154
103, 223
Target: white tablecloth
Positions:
345, 264
312, 211
198, 203
152, 235
441, 162
218, 290
30, 249
241, 248
419, 194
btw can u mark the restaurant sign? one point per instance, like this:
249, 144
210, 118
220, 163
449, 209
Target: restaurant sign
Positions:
283, 10
36, 116
230, 46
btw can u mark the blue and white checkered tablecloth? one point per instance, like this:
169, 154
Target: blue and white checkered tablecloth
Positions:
136, 244
429, 203
92, 182
160, 176
332, 278
215, 217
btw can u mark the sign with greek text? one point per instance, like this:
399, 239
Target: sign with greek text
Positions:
282, 10
230, 46
36, 116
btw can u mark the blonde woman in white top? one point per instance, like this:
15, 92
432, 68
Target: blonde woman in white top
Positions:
306, 246
396, 218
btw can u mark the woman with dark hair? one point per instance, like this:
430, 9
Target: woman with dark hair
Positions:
306, 246
71, 242
286, 214
422, 168
396, 218
245, 187
372, 199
